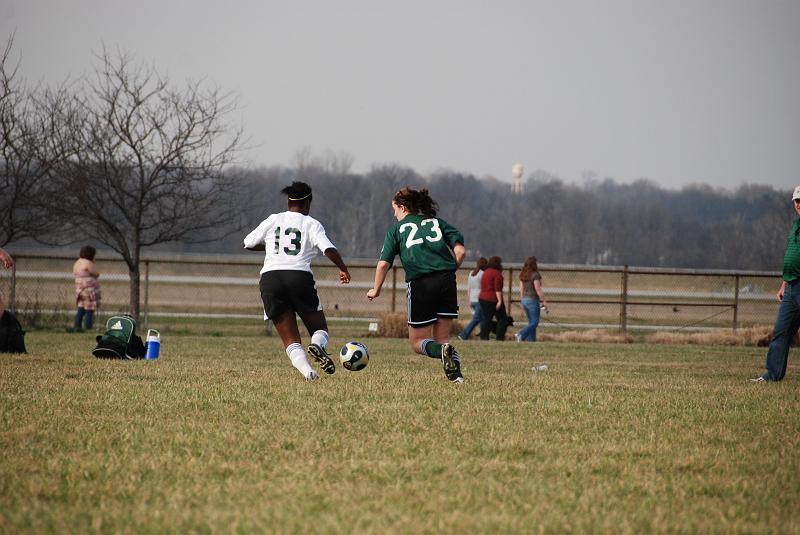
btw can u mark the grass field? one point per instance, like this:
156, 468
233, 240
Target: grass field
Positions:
222, 435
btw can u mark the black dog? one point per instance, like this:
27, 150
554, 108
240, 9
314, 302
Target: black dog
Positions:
493, 325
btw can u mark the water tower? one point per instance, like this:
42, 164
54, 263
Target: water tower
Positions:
516, 178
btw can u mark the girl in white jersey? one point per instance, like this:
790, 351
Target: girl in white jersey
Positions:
290, 241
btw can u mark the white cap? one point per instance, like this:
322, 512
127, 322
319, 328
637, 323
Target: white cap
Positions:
796, 194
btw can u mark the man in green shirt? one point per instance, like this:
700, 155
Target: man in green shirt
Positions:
788, 319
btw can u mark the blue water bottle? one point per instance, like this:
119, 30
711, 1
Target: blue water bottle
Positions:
153, 344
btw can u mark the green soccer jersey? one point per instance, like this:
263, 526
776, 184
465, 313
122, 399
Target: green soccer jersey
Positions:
791, 258
424, 244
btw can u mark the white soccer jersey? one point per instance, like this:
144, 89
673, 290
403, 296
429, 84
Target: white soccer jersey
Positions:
291, 240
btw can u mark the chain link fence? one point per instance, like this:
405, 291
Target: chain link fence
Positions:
40, 288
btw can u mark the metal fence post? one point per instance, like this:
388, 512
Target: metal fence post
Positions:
394, 288
12, 302
623, 301
736, 302
510, 285
146, 295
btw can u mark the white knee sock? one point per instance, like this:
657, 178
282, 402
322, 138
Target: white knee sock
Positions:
299, 359
320, 338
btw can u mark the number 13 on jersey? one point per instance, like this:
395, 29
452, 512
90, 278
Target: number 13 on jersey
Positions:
294, 240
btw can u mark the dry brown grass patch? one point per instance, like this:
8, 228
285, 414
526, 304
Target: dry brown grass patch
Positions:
592, 335
741, 337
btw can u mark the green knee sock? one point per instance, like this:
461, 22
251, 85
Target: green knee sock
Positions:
431, 348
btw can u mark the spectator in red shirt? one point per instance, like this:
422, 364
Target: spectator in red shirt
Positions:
491, 300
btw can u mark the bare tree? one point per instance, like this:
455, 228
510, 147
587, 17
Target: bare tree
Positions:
33, 139
150, 165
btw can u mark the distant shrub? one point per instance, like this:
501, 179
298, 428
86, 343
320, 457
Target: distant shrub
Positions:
392, 325
395, 325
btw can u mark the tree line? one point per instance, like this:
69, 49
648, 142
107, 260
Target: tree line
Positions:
598, 222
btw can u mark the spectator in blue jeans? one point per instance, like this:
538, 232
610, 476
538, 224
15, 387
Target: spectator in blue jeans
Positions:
788, 318
473, 289
532, 298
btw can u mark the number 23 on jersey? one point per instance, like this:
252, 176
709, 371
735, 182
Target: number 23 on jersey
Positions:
428, 230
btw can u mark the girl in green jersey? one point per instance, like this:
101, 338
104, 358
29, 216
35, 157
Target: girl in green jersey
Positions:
431, 250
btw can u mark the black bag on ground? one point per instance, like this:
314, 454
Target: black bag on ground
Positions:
120, 340
12, 337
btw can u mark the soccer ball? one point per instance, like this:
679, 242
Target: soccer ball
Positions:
354, 356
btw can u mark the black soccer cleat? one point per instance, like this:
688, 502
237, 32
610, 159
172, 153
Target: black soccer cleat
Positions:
451, 365
323, 359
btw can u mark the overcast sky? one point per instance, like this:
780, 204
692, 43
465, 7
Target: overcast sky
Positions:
675, 91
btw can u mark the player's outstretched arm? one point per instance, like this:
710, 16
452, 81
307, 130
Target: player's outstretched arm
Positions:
334, 256
380, 275
257, 247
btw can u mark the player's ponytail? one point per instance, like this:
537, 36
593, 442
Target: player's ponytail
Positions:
416, 201
427, 206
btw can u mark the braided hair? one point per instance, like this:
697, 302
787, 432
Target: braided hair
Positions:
298, 192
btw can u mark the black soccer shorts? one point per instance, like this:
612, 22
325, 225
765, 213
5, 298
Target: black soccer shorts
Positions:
431, 297
283, 290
